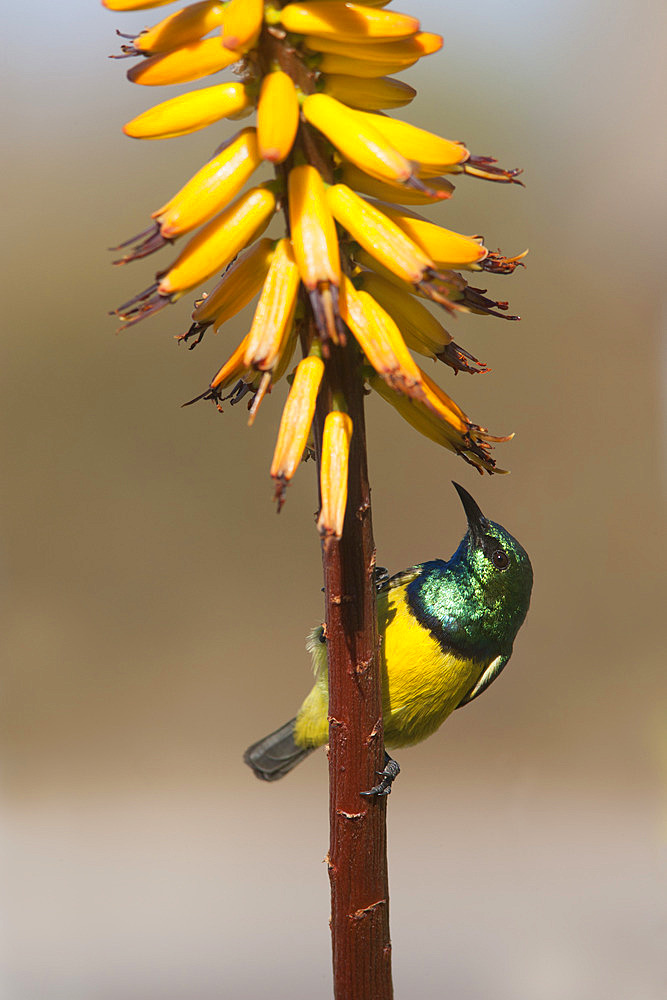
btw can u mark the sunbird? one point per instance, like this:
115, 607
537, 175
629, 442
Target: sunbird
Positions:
446, 632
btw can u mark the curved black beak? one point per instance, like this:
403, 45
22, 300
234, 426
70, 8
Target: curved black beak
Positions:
477, 523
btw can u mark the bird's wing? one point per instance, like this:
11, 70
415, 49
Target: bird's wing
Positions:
488, 677
385, 582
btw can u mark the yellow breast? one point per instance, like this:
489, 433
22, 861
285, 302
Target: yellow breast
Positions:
421, 684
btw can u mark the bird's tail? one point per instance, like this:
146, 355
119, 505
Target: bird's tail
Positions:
275, 755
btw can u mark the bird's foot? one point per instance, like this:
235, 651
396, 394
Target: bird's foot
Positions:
388, 776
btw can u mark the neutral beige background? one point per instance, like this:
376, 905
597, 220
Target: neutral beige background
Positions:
155, 606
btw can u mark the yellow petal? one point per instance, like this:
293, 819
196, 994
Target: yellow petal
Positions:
448, 249
368, 94
232, 369
240, 283
420, 329
355, 138
211, 188
380, 236
437, 189
181, 28
312, 228
277, 116
219, 241
295, 423
351, 65
275, 310
336, 439
330, 18
434, 154
134, 4
242, 23
380, 339
406, 50
189, 112
190, 62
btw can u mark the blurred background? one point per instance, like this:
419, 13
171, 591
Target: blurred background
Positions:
155, 607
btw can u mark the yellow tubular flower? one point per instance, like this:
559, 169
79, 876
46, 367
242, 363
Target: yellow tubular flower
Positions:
189, 112
272, 322
330, 62
134, 4
240, 283
211, 188
381, 237
460, 436
433, 154
439, 188
449, 250
370, 94
218, 243
336, 439
190, 62
315, 245
406, 51
242, 22
185, 26
347, 21
380, 339
355, 138
295, 423
233, 368
420, 329
277, 116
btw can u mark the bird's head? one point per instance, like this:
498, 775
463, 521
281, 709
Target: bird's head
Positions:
498, 563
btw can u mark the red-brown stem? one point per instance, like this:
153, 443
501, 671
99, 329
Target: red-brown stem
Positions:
358, 839
358, 835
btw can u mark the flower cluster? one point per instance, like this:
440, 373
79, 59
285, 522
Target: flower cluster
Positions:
355, 261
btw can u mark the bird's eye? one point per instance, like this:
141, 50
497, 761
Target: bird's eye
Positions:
500, 559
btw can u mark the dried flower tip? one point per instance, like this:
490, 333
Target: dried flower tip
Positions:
190, 62
346, 21
295, 423
336, 439
484, 167
277, 116
497, 264
457, 359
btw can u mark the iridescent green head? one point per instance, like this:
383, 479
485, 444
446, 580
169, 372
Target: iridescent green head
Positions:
499, 566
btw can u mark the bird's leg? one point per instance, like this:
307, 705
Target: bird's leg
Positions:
391, 771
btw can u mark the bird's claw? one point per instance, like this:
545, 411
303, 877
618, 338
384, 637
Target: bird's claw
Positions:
388, 776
